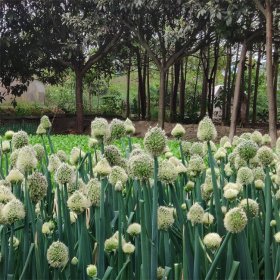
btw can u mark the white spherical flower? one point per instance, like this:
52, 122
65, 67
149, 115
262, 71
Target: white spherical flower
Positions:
94, 192
230, 194
26, 159
167, 172
9, 134
13, 211
140, 166
19, 139
134, 229
54, 163
228, 170
245, 176
247, 149
195, 214
92, 142
265, 155
15, 176
212, 241
165, 217
62, 155
277, 237
259, 184
41, 130
235, 220
206, 130
45, 122
250, 206
178, 131
103, 168
197, 148
266, 140
91, 270
223, 140
39, 151
5, 147
129, 127
99, 128
256, 136
117, 129
155, 141
111, 244
64, 174
78, 202
5, 194
37, 186
58, 255
128, 248
76, 155
117, 174
208, 219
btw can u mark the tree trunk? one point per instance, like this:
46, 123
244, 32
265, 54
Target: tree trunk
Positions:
269, 75
148, 91
183, 90
173, 99
249, 87
237, 91
79, 102
128, 89
203, 98
161, 108
275, 77
195, 86
141, 87
227, 70
254, 117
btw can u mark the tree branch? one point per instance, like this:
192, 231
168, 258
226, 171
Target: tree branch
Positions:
260, 6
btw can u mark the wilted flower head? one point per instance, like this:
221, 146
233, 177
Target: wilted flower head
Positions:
195, 214
128, 248
99, 128
64, 174
265, 155
75, 155
165, 217
129, 127
94, 191
206, 130
26, 159
103, 168
117, 129
54, 163
15, 176
178, 131
45, 122
250, 206
19, 139
235, 220
117, 174
5, 194
58, 255
155, 141
37, 186
247, 149
39, 151
134, 229
78, 202
212, 241
13, 211
245, 176
141, 166
167, 172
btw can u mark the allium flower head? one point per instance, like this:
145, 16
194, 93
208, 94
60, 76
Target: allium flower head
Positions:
92, 142
178, 131
20, 139
2, 219
39, 151
247, 149
117, 174
9, 134
228, 170
134, 229
117, 129
165, 217
195, 214
245, 176
235, 220
91, 270
13, 211
62, 155
76, 155
141, 166
58, 255
250, 206
259, 184
208, 219
99, 128
5, 147
277, 148
155, 141
167, 172
239, 162
220, 154
230, 194
13, 158
45, 122
15, 176
37, 186
212, 241
186, 147
54, 163
196, 164
189, 186
266, 140
256, 136
94, 191
129, 127
197, 148
112, 154
111, 244
64, 174
26, 159
128, 248
5, 194
78, 202
103, 168
223, 140
277, 195
259, 173
160, 272
206, 130
236, 140
41, 130
265, 155
277, 237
